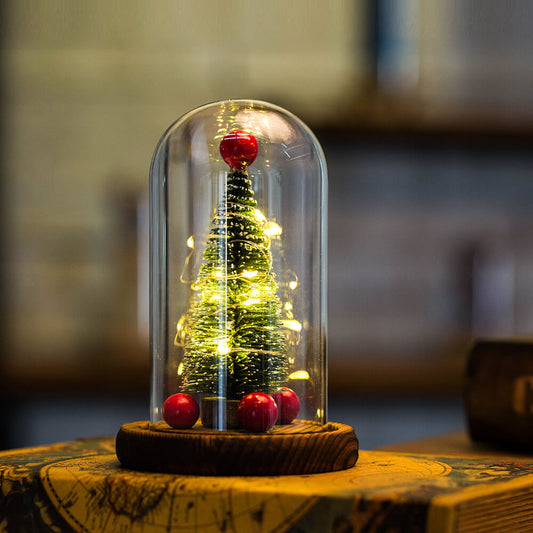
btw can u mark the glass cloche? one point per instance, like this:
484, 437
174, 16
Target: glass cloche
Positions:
238, 203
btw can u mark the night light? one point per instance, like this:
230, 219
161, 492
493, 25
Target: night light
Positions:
238, 300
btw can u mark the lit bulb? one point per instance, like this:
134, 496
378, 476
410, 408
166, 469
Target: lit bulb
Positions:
249, 274
180, 331
273, 229
190, 242
260, 216
223, 348
300, 374
293, 325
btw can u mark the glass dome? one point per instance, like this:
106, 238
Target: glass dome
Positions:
238, 199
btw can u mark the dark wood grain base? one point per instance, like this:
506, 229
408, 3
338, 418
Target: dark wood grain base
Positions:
297, 448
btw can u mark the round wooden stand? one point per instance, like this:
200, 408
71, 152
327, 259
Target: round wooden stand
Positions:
297, 448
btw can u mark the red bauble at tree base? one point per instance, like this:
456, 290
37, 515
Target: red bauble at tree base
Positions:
257, 411
238, 149
288, 405
180, 411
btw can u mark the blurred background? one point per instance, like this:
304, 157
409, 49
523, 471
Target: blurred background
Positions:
425, 113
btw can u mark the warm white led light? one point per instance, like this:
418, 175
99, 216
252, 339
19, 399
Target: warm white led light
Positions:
299, 374
180, 331
260, 216
293, 325
223, 348
272, 229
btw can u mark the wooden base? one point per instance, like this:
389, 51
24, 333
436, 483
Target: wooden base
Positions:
297, 448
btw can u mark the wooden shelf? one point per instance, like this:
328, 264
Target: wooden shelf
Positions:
119, 375
102, 373
398, 376
386, 119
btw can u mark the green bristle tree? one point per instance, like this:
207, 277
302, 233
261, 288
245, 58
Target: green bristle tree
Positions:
234, 342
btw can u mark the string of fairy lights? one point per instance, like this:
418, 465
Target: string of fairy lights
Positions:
274, 231
232, 333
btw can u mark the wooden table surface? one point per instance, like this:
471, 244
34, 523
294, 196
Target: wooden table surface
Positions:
80, 486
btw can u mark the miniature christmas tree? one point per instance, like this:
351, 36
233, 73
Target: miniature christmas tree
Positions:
234, 343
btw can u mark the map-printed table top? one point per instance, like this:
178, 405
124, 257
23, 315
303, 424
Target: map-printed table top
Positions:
80, 487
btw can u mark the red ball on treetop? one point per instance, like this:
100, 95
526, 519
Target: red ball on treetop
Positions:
238, 149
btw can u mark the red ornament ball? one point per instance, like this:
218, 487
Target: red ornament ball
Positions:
180, 411
288, 404
257, 411
238, 149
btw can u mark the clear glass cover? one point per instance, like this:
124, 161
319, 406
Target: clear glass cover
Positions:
238, 262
